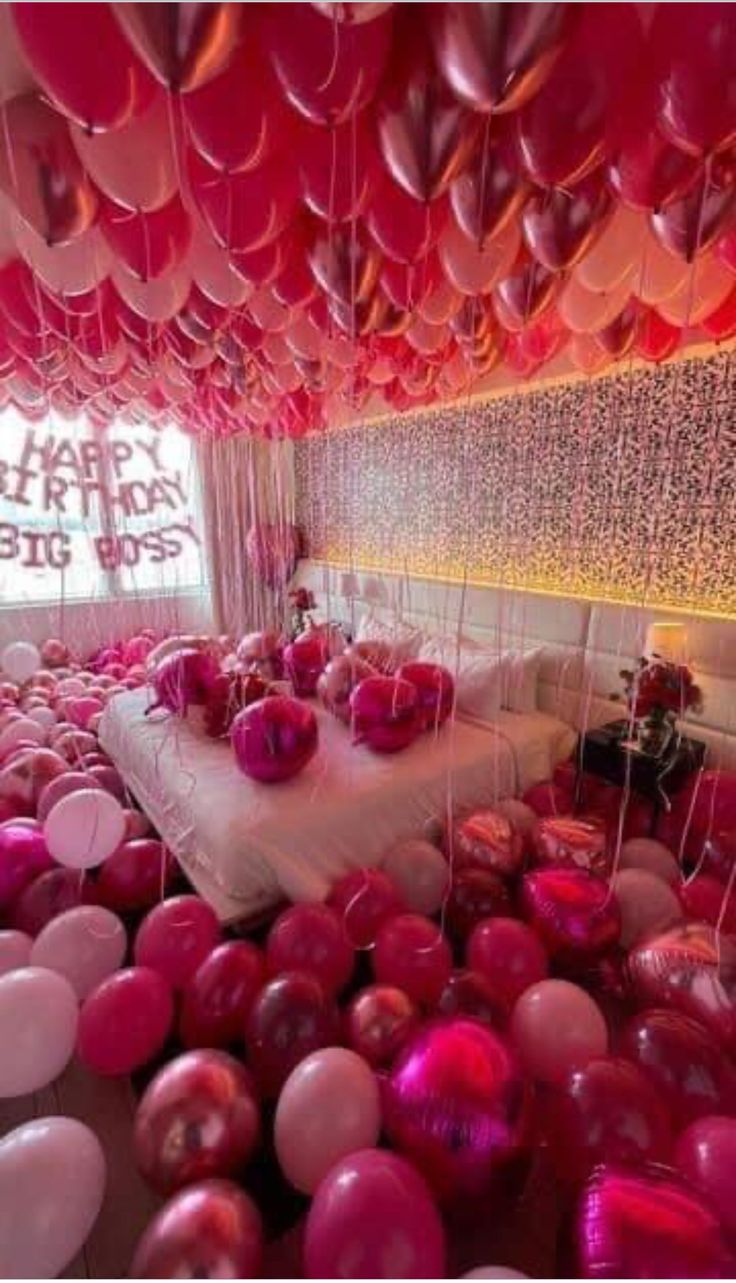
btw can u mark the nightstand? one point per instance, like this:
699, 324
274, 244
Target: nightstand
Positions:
601, 752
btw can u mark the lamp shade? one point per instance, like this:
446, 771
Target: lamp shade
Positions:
668, 641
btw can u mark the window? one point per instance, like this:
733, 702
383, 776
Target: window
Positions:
88, 514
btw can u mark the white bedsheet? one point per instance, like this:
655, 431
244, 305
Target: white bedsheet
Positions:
246, 845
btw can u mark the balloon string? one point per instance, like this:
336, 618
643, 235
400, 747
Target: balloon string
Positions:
335, 53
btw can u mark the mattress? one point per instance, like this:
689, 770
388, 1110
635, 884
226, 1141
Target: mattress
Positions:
246, 846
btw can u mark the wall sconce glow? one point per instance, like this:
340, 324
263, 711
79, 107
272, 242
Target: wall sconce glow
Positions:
668, 640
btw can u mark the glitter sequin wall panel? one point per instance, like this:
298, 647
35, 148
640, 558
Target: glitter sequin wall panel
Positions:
620, 489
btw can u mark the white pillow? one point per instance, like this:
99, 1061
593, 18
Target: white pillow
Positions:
521, 676
402, 639
478, 673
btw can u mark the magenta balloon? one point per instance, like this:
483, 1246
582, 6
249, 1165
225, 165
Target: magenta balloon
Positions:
573, 912
374, 1217
208, 1230
364, 899
198, 1118
471, 995
182, 679
421, 873
135, 876
176, 937
412, 953
571, 841
385, 712
310, 938
474, 894
305, 659
23, 856
684, 1061
648, 1225
706, 899
216, 1002
456, 1105
49, 895
691, 970
435, 689
275, 738
509, 955
291, 1017
379, 1021
706, 1153
556, 1027
608, 1112
125, 1021
335, 684
329, 1107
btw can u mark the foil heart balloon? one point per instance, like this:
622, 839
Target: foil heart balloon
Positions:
487, 840
571, 841
693, 970
435, 690
385, 713
648, 1225
573, 912
456, 1105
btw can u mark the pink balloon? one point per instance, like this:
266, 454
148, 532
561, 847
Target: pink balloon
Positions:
684, 1061
378, 1022
706, 1153
135, 876
175, 938
23, 856
470, 995
310, 937
329, 1107
691, 969
133, 165
38, 1027
456, 1104
211, 1228
703, 290
613, 258
275, 738
374, 1217
557, 1028
474, 270
509, 955
85, 945
49, 895
15, 950
435, 687
421, 874
125, 1022
385, 713
647, 905
572, 911
364, 899
412, 954
217, 1001
52, 1182
584, 311
197, 1118
486, 840
652, 856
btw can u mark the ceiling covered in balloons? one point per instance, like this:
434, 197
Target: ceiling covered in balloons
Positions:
271, 217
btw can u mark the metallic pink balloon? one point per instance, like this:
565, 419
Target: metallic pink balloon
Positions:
573, 912
274, 738
305, 659
648, 1225
23, 856
385, 713
685, 1062
198, 1118
487, 840
456, 1105
175, 938
706, 1153
690, 969
436, 691
379, 1021
374, 1217
570, 841
311, 938
212, 1230
182, 679
335, 684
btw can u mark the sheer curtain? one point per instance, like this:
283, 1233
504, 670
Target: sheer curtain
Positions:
245, 484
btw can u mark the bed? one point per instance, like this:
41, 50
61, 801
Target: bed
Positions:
247, 846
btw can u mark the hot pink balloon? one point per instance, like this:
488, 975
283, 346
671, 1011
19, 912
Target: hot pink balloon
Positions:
23, 856
364, 899
329, 1107
291, 1017
385, 713
684, 1061
135, 876
435, 688
379, 1021
310, 937
176, 937
274, 739
412, 954
217, 1001
211, 1228
573, 912
374, 1217
557, 1028
706, 1153
125, 1022
509, 955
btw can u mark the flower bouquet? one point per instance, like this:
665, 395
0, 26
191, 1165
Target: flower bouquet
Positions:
657, 692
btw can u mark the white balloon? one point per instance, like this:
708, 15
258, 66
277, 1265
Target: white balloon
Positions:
84, 828
15, 950
70, 687
38, 1030
52, 1181
20, 660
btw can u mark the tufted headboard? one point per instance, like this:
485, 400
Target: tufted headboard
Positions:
586, 644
